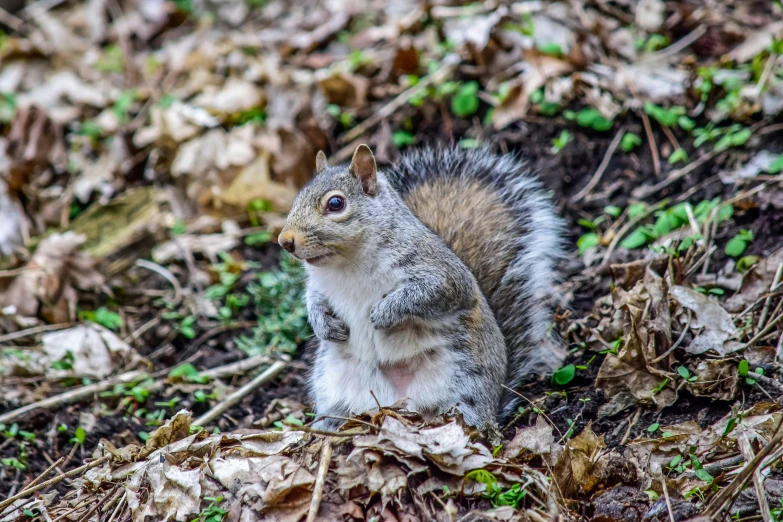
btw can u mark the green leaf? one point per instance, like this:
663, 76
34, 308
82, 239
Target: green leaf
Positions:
80, 436
702, 474
675, 461
683, 372
587, 241
636, 209
592, 118
564, 375
465, 102
107, 318
469, 144
613, 210
745, 263
402, 139
776, 166
187, 372
743, 368
736, 246
636, 239
677, 156
686, 123
629, 142
652, 428
725, 212
551, 48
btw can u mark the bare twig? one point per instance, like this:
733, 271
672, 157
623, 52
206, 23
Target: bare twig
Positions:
71, 396
601, 168
643, 192
35, 330
631, 424
676, 47
40, 477
236, 368
651, 142
761, 334
758, 479
28, 491
622, 232
233, 398
768, 301
387, 110
320, 479
540, 411
12, 21
725, 497
677, 343
165, 274
668, 500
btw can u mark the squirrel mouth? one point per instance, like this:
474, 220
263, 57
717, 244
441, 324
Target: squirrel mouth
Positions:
316, 259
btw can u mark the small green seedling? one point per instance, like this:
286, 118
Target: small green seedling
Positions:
403, 139
744, 368
630, 141
564, 375
587, 241
465, 101
79, 436
561, 141
591, 118
737, 245
686, 374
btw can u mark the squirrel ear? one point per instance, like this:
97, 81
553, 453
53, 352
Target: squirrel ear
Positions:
320, 161
363, 167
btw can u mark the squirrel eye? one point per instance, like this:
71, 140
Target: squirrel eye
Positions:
335, 204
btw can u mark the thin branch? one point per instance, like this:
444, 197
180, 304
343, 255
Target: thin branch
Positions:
224, 405
25, 492
35, 330
320, 479
768, 301
643, 192
601, 168
758, 479
165, 274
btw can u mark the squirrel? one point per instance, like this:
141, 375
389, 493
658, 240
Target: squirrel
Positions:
429, 281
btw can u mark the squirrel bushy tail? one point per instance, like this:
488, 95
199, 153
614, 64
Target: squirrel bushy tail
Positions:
496, 217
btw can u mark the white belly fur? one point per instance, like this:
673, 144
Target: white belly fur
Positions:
354, 369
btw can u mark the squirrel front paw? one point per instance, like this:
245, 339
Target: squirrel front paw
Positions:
331, 329
382, 317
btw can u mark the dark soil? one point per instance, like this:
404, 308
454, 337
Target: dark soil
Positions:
565, 174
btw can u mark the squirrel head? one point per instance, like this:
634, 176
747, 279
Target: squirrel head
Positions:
329, 218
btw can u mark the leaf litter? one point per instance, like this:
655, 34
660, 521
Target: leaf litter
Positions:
179, 131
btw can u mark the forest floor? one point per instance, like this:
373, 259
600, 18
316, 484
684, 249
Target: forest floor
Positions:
153, 340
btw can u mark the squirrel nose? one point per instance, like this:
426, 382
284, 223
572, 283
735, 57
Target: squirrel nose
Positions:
286, 240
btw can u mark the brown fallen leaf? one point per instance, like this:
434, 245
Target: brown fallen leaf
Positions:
717, 379
48, 281
573, 471
630, 371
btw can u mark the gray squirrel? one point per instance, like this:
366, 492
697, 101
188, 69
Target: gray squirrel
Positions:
429, 281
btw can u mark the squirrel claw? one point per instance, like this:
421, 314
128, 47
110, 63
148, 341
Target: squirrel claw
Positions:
335, 331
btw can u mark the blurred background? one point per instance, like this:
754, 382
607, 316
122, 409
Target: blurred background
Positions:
149, 150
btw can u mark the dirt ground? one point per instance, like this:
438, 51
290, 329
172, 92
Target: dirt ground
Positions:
200, 305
